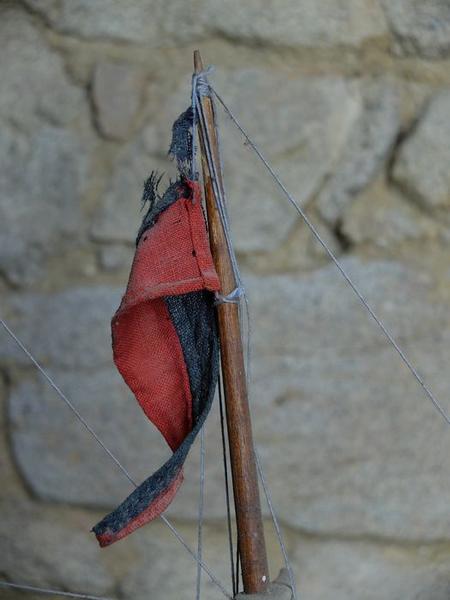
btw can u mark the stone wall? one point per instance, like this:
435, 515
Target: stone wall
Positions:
350, 100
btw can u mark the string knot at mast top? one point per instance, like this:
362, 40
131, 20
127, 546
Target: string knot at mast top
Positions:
200, 83
233, 297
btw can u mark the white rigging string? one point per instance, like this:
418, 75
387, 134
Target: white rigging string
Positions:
201, 503
52, 383
276, 524
234, 572
49, 592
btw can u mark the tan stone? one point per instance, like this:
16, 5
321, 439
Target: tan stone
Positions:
421, 166
117, 94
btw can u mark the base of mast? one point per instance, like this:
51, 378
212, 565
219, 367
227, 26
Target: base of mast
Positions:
280, 589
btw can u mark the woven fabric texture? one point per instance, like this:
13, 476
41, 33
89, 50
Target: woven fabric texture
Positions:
165, 344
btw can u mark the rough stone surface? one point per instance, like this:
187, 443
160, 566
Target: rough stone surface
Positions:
59, 458
420, 26
69, 329
41, 181
116, 258
323, 110
153, 22
305, 23
421, 167
385, 218
365, 152
358, 456
43, 550
321, 308
370, 572
154, 574
34, 83
117, 93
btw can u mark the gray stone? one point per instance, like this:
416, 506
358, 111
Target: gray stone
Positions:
301, 125
384, 218
421, 26
12, 485
60, 460
366, 151
69, 329
350, 443
119, 216
40, 548
34, 83
421, 166
117, 93
153, 22
41, 181
298, 24
164, 569
346, 570
116, 258
321, 308
157, 24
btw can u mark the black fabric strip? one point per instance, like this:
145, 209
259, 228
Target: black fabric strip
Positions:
193, 316
194, 320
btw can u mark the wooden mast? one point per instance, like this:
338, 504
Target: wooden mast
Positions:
252, 548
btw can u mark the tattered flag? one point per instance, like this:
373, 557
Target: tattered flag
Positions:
165, 341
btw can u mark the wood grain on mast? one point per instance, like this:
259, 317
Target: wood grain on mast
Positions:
251, 541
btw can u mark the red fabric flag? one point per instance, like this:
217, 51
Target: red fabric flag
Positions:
165, 344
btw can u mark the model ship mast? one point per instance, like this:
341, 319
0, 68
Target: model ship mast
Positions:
251, 541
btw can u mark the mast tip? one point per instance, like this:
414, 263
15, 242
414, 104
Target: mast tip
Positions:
198, 63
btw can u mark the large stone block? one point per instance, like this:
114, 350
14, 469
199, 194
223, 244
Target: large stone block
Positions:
421, 26
384, 218
297, 24
164, 569
421, 167
153, 22
34, 86
350, 443
366, 150
301, 24
348, 570
117, 94
301, 125
345, 570
317, 315
69, 329
41, 547
60, 459
42, 177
